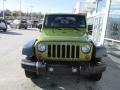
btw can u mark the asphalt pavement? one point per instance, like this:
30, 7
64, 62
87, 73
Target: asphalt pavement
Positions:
12, 75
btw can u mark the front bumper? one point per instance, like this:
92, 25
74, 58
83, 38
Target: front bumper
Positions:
40, 68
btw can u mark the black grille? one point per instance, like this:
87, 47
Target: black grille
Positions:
63, 51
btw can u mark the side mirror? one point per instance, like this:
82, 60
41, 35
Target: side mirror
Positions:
90, 28
40, 26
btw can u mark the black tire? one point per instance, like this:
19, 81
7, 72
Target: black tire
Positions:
4, 30
19, 27
30, 74
25, 27
95, 77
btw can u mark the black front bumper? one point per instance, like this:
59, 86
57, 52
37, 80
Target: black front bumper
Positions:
62, 69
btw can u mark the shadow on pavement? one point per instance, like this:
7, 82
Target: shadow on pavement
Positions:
10, 33
109, 81
67, 82
30, 29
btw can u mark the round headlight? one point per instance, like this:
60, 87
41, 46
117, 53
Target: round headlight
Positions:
41, 47
85, 48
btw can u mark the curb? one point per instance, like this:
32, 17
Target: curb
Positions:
114, 54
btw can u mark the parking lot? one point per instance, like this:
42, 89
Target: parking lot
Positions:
12, 75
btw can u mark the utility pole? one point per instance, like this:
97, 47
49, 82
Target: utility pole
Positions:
27, 16
20, 10
31, 18
31, 12
3, 10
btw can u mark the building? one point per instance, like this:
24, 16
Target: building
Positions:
113, 25
80, 8
105, 17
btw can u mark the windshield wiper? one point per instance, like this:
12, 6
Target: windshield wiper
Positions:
75, 28
64, 28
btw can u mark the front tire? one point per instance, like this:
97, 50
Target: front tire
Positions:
4, 30
30, 74
95, 77
19, 27
25, 27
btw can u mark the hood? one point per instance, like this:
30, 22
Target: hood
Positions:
63, 34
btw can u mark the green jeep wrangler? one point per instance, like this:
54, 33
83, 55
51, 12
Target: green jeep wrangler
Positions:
63, 47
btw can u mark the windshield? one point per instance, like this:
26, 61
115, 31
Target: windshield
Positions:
65, 21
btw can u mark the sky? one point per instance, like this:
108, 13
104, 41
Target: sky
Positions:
44, 6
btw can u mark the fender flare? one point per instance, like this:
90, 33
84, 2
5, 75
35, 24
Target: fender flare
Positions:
100, 51
28, 48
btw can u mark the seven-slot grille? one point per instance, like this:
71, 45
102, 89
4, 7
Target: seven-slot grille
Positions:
63, 51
